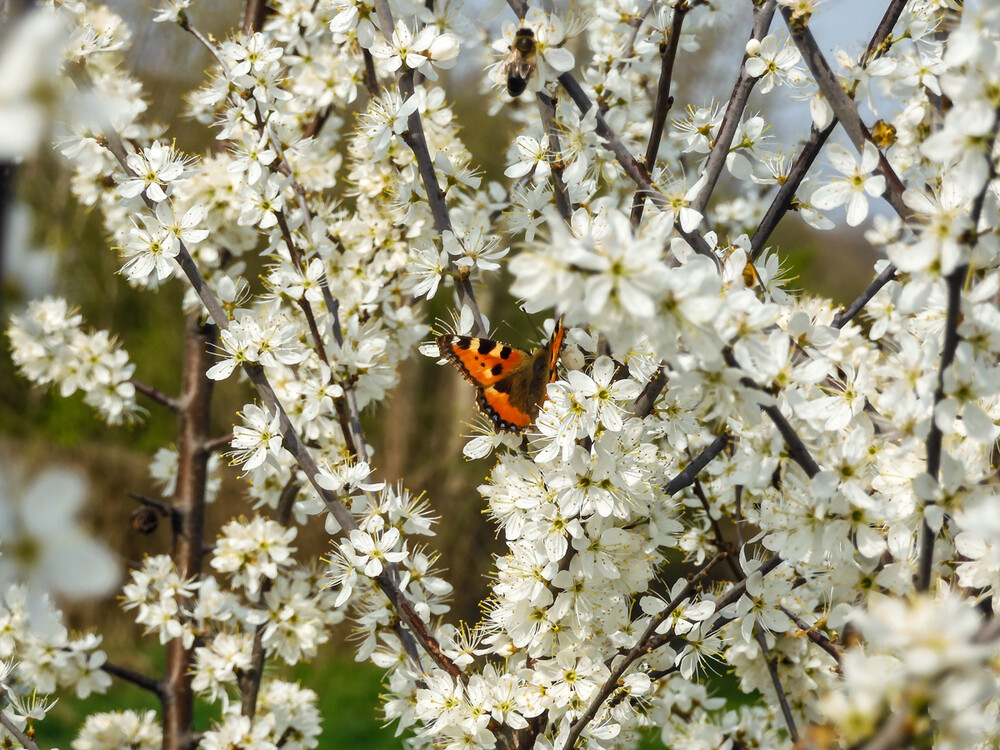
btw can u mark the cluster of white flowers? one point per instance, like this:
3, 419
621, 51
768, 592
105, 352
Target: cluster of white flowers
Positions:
844, 515
42, 654
49, 347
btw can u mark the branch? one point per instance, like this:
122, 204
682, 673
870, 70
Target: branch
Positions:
155, 394
414, 138
218, 443
254, 13
955, 282
20, 736
290, 438
763, 13
772, 669
814, 635
547, 112
643, 404
638, 650
730, 596
687, 476
135, 678
633, 168
188, 518
249, 681
796, 448
663, 99
842, 319
844, 107
817, 138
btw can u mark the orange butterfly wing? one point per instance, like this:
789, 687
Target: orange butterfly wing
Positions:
481, 361
511, 382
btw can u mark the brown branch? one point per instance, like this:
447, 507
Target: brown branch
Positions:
139, 680
763, 13
637, 651
254, 13
814, 635
218, 443
844, 107
772, 669
155, 394
188, 520
547, 112
955, 282
20, 736
668, 54
643, 404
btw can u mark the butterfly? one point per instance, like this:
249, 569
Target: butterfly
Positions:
511, 382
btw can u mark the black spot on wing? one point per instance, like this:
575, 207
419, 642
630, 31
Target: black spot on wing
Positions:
485, 346
505, 353
497, 369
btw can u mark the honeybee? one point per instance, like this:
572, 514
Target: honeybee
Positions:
520, 62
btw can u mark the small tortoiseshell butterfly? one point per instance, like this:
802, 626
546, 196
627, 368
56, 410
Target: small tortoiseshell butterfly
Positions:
511, 382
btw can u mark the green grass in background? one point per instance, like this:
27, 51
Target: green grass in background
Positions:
348, 702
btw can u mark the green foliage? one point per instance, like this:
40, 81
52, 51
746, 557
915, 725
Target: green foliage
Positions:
348, 699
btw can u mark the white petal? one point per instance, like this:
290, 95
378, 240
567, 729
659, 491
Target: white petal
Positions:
559, 59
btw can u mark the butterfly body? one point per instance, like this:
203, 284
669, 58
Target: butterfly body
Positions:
511, 382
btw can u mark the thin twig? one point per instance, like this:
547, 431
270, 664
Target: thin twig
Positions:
844, 107
814, 635
763, 13
817, 138
955, 283
249, 680
772, 669
643, 404
636, 171
664, 101
843, 318
691, 471
20, 736
136, 678
218, 443
637, 651
414, 138
796, 448
156, 395
547, 112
